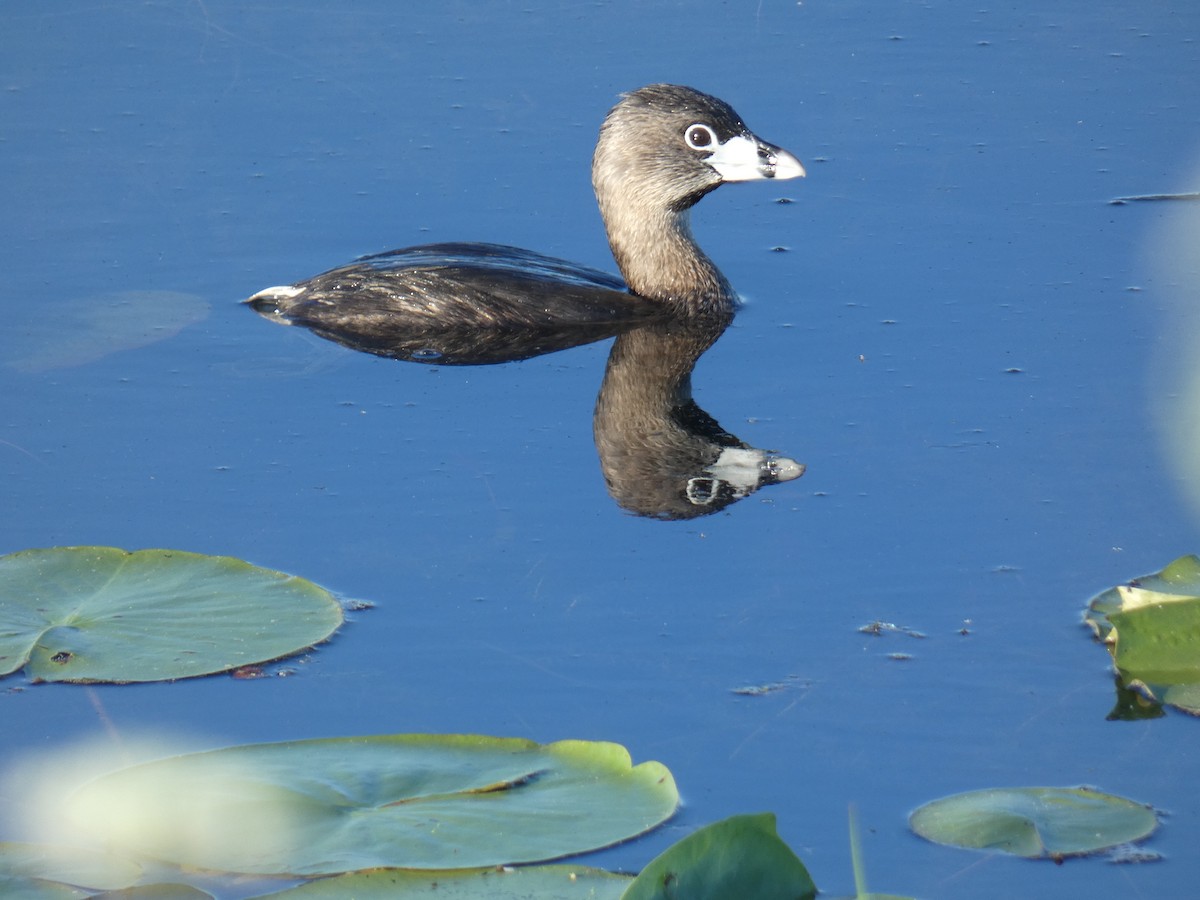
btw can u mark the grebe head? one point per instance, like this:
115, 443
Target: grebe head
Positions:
660, 150
667, 145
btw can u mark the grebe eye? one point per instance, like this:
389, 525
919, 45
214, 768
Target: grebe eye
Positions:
699, 137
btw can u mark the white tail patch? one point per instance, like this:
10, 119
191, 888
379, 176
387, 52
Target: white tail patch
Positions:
283, 292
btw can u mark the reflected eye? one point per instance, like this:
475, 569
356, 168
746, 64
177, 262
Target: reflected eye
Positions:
699, 137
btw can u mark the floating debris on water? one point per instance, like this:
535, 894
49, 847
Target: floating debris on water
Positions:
878, 629
771, 687
1141, 198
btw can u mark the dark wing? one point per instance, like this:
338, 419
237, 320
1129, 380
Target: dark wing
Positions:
459, 303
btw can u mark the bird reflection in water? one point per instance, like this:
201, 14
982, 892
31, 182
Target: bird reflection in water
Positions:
661, 149
661, 454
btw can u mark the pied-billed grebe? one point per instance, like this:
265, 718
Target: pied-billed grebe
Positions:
660, 150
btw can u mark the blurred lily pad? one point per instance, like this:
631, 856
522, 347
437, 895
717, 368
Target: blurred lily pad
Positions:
1152, 629
742, 856
168, 891
34, 889
1037, 822
409, 801
42, 870
84, 330
493, 883
103, 614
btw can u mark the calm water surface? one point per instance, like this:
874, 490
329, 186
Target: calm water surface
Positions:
983, 362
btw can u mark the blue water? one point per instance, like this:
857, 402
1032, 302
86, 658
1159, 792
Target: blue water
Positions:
982, 361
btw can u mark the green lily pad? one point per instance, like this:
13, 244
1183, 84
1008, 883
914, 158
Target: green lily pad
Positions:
495, 883
43, 870
1185, 697
1034, 822
1181, 579
86, 329
1152, 629
741, 856
102, 614
1158, 639
407, 801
